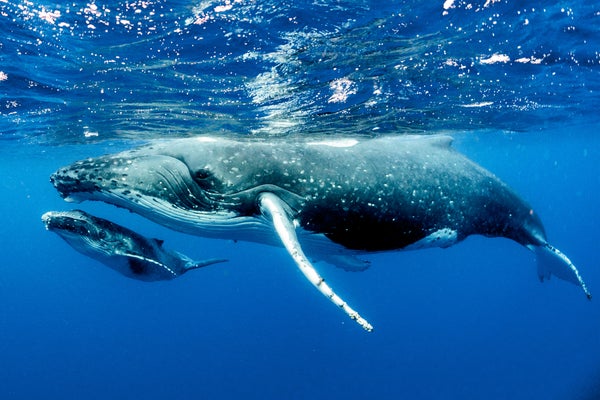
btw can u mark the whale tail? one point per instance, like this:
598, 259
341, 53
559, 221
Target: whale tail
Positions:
191, 264
552, 261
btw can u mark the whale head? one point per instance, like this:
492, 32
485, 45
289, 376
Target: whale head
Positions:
124, 179
74, 222
198, 190
79, 230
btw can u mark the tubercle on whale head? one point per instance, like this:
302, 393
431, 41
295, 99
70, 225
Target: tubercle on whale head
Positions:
71, 188
129, 179
74, 222
83, 179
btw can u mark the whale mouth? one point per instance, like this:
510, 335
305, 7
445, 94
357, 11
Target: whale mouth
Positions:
70, 188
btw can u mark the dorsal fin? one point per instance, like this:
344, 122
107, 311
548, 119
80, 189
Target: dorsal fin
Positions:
442, 141
159, 242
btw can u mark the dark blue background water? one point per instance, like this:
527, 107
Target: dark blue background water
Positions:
515, 83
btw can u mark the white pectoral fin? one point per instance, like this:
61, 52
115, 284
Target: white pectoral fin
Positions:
274, 209
552, 261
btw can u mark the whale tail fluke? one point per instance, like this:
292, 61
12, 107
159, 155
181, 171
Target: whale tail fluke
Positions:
199, 264
552, 261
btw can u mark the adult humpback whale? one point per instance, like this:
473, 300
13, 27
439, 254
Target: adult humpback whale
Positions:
334, 199
123, 250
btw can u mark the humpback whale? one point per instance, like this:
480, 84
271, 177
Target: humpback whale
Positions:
331, 199
123, 250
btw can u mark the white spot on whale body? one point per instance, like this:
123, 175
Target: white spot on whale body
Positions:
205, 139
335, 143
445, 237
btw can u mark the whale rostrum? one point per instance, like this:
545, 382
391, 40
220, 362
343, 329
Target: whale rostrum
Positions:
331, 199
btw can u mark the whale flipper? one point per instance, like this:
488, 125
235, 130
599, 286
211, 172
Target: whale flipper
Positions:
552, 261
273, 208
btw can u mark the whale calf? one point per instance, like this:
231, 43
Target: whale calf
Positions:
122, 249
333, 199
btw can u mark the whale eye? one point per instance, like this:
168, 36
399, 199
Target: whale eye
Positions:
205, 179
202, 174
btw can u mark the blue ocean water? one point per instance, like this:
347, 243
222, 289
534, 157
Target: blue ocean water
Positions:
515, 83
